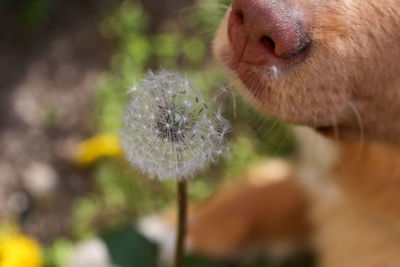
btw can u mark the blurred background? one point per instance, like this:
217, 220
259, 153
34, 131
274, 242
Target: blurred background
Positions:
65, 190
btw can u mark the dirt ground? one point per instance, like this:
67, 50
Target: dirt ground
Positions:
46, 100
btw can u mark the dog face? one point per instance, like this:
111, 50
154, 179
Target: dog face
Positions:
333, 65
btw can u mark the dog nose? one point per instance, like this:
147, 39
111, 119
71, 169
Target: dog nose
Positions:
263, 30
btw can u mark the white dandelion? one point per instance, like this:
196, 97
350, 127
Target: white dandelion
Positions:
169, 131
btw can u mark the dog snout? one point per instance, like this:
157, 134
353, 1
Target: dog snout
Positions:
264, 31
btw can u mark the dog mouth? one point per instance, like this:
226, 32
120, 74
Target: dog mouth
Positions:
328, 130
342, 132
255, 84
260, 81
256, 77
252, 77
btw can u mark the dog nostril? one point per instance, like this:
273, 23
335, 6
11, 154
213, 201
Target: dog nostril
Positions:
302, 48
239, 17
268, 43
262, 31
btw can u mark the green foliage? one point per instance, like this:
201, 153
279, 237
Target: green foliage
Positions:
166, 46
129, 249
126, 25
31, 14
34, 13
128, 19
83, 217
121, 195
206, 17
58, 253
194, 50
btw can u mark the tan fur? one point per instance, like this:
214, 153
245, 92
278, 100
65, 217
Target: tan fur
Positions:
362, 228
349, 82
354, 58
233, 224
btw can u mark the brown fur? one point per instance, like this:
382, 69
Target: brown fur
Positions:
234, 223
349, 84
353, 58
361, 229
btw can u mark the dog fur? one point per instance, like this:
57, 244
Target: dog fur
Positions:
348, 89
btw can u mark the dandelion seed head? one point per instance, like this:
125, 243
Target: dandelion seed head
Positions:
169, 131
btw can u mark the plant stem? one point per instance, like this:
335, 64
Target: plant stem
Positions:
182, 212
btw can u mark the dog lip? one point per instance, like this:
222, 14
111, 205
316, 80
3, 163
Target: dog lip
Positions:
248, 74
324, 128
234, 62
227, 53
251, 73
341, 132
279, 62
331, 131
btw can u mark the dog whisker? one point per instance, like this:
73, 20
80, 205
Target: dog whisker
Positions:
275, 72
335, 128
359, 120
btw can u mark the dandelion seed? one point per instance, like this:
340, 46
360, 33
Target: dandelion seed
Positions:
131, 90
165, 126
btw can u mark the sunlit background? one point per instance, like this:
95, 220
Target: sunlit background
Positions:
66, 192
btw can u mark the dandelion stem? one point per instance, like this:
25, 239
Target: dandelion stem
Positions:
182, 212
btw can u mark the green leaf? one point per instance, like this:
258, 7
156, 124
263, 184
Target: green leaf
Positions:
194, 49
130, 249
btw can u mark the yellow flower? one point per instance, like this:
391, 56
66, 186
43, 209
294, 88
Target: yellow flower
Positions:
93, 149
20, 251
